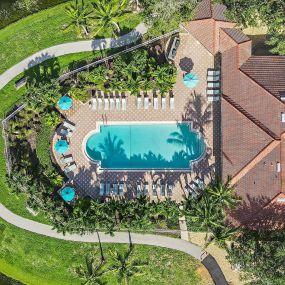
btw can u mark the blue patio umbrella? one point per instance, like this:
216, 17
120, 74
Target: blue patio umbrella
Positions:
65, 103
190, 80
67, 193
61, 146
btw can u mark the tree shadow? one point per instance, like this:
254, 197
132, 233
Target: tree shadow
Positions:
256, 213
186, 64
42, 72
198, 112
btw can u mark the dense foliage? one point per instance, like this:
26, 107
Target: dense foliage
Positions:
261, 12
135, 72
208, 214
166, 15
260, 255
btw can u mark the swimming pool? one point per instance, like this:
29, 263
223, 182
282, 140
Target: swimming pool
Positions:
145, 146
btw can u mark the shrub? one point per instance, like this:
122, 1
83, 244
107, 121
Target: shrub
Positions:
80, 94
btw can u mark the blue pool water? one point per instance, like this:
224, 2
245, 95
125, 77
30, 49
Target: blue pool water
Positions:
145, 146
67, 194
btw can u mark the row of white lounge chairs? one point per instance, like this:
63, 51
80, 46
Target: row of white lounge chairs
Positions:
67, 130
213, 84
106, 103
156, 102
114, 189
164, 188
195, 188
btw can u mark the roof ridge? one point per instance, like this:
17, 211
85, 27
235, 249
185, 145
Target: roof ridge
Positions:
250, 117
263, 153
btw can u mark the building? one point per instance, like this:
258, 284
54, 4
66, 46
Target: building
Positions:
252, 116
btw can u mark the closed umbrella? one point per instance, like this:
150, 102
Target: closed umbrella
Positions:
61, 146
190, 80
65, 103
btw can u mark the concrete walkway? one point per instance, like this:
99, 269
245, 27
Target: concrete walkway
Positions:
121, 237
69, 48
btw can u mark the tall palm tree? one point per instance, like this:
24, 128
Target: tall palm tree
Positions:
224, 193
125, 267
93, 272
79, 14
107, 13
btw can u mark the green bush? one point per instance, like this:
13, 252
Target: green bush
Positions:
80, 94
43, 146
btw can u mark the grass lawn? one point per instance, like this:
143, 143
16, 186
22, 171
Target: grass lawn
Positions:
51, 262
42, 30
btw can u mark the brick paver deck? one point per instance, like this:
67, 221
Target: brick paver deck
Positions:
192, 56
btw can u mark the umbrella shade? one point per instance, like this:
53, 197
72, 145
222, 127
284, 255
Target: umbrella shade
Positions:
65, 103
61, 146
190, 80
67, 194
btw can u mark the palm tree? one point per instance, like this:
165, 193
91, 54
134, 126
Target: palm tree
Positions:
164, 77
204, 215
52, 119
125, 267
107, 13
93, 272
224, 193
79, 15
221, 236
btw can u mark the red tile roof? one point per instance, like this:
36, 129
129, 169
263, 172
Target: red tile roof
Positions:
268, 72
206, 10
237, 35
253, 136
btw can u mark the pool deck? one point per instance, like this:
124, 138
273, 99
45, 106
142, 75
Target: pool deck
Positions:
191, 55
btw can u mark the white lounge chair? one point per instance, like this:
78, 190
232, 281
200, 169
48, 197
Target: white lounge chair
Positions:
102, 189
155, 103
124, 104
108, 189
171, 103
146, 103
211, 78
145, 189
162, 189
214, 72
70, 168
139, 190
112, 104
121, 189
68, 125
213, 98
66, 159
106, 104
139, 102
154, 189
213, 84
213, 91
118, 103
169, 190
163, 103
115, 189
93, 104
100, 102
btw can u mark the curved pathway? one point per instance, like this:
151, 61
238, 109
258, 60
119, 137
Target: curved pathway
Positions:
68, 48
120, 237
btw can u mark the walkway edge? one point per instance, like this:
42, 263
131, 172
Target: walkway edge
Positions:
119, 237
69, 48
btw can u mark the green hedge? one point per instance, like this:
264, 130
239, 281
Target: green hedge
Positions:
11, 13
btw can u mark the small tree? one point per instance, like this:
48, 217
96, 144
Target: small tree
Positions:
79, 15
125, 267
92, 273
